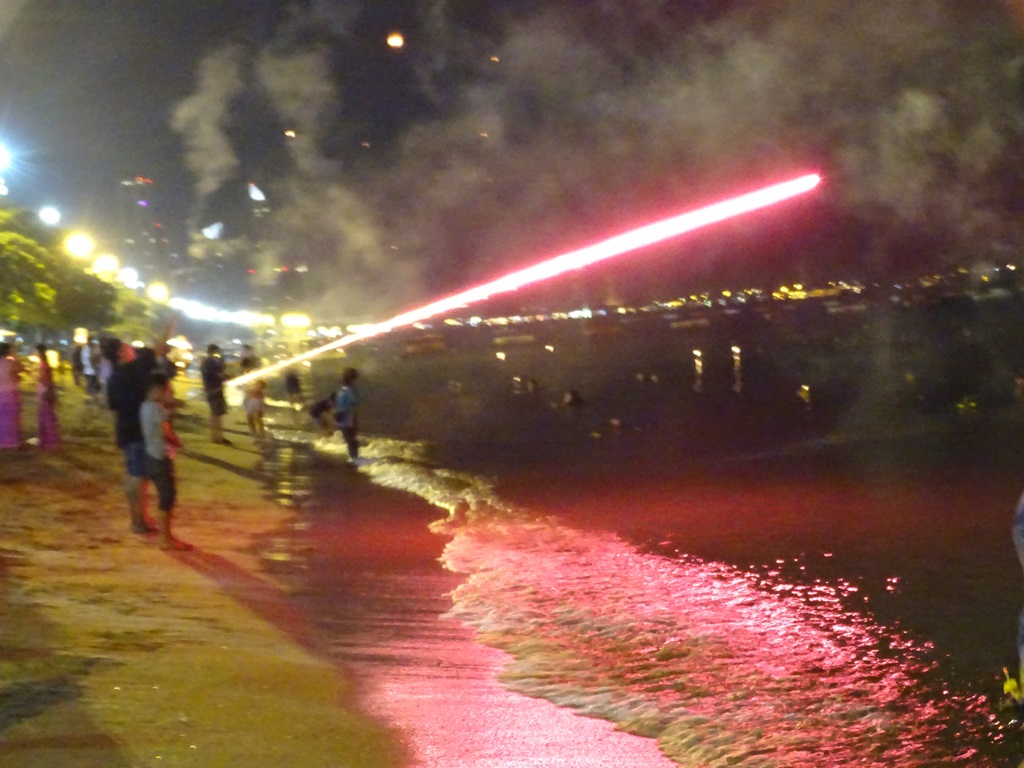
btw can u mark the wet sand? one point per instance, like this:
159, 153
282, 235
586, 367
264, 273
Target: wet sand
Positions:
117, 654
367, 577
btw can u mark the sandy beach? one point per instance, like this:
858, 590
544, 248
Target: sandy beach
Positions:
115, 653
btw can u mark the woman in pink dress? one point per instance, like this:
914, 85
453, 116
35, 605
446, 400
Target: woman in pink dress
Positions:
10, 398
46, 399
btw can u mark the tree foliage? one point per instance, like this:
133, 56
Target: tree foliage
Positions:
39, 286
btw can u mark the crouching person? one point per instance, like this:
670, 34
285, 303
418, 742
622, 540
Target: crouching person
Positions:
161, 443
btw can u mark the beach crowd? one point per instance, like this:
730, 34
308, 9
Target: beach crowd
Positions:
135, 384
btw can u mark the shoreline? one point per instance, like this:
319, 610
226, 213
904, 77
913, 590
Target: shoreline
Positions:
112, 653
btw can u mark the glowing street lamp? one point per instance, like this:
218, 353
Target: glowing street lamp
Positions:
50, 216
79, 245
129, 277
158, 292
106, 266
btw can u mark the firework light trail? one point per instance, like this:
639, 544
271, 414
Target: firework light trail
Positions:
618, 245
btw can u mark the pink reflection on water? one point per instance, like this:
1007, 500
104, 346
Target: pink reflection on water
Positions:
724, 667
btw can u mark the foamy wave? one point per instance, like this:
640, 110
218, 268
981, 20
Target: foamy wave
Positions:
721, 670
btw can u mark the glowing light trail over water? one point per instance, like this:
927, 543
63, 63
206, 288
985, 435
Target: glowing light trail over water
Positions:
618, 245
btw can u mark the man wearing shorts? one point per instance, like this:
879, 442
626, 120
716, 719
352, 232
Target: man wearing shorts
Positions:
214, 376
126, 392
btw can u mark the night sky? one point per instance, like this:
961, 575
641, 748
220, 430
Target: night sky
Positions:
506, 131
88, 88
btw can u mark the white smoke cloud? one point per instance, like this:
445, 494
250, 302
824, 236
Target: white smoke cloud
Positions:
202, 118
301, 88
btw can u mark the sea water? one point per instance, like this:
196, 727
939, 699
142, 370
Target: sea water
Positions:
723, 665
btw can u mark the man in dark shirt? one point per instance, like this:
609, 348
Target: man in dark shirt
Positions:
126, 390
214, 376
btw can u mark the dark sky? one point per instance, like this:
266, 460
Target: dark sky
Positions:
598, 116
86, 90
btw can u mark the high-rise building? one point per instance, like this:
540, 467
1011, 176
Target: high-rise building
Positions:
144, 241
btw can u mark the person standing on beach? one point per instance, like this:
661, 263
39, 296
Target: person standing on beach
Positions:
346, 412
1016, 689
10, 397
161, 442
47, 431
293, 389
214, 375
249, 361
126, 391
90, 360
76, 365
254, 405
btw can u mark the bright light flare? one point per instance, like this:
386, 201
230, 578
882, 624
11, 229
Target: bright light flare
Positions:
618, 245
5, 158
106, 265
79, 245
49, 215
158, 292
396, 40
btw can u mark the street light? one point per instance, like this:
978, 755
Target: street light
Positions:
158, 292
50, 216
79, 245
106, 266
129, 277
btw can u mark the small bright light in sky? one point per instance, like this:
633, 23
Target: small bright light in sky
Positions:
396, 40
290, 134
255, 193
49, 216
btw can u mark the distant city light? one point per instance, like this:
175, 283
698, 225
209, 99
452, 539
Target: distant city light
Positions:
49, 216
396, 40
213, 232
256, 194
196, 310
295, 320
79, 245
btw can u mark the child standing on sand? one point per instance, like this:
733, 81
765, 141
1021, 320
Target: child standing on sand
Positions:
254, 404
161, 443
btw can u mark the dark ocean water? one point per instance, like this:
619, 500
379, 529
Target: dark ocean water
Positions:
751, 574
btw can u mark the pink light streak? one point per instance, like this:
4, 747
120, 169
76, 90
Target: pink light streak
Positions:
618, 245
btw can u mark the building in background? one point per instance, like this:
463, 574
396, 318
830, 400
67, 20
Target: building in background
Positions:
144, 242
